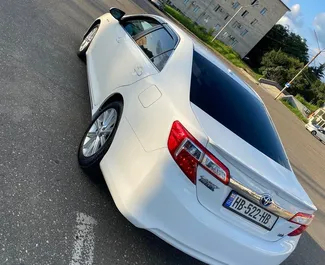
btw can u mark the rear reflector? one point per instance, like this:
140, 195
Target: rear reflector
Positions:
302, 219
189, 153
298, 231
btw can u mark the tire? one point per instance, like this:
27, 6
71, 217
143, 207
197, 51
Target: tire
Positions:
86, 41
314, 133
88, 157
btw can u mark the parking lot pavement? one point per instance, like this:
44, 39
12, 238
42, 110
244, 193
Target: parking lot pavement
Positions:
50, 211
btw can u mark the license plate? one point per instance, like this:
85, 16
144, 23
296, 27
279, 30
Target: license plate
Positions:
250, 211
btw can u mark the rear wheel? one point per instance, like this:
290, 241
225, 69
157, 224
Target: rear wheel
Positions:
314, 133
99, 137
86, 42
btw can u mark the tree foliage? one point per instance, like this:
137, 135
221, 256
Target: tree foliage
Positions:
279, 37
280, 67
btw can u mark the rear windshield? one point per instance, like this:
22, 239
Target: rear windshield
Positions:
228, 102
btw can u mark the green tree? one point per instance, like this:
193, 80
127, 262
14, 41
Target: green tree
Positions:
277, 38
318, 71
280, 67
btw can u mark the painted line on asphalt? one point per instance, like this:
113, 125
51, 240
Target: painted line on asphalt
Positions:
84, 244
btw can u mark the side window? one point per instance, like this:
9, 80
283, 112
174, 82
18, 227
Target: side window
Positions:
157, 45
160, 60
134, 27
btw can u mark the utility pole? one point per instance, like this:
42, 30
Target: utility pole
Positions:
287, 85
232, 18
293, 79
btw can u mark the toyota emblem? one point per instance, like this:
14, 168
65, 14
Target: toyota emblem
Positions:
266, 200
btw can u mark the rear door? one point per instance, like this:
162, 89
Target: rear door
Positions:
140, 42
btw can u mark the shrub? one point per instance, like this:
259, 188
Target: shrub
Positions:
310, 106
294, 110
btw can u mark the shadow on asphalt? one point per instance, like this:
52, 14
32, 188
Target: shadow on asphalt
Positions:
316, 255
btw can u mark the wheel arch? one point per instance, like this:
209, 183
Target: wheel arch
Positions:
111, 98
96, 22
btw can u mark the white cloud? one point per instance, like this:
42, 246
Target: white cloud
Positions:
294, 19
319, 24
286, 1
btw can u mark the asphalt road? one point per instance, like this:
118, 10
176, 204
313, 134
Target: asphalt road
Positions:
49, 208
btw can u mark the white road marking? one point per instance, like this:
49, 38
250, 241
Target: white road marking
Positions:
84, 244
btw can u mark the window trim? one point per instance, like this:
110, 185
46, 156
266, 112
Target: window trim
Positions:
162, 25
172, 51
254, 22
245, 13
217, 7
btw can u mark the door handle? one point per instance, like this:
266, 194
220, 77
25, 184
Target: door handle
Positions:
138, 70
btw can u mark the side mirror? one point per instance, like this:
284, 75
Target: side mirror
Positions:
117, 13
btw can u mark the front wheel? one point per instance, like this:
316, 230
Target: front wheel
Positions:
99, 136
86, 42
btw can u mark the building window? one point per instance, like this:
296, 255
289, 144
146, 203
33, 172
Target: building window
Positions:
244, 32
225, 34
206, 19
216, 8
263, 11
237, 25
233, 42
217, 27
235, 5
226, 17
196, 9
245, 13
254, 22
186, 1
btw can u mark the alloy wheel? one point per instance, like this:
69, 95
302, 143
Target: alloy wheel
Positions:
87, 40
99, 132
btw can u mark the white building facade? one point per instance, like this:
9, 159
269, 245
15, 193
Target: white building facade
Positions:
249, 26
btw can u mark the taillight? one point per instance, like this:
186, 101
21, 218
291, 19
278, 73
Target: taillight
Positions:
189, 153
302, 219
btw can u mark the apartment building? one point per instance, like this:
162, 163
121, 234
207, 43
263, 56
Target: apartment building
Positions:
254, 19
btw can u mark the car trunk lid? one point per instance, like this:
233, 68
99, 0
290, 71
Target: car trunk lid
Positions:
253, 171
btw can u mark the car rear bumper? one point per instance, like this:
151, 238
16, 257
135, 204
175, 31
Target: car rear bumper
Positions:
151, 192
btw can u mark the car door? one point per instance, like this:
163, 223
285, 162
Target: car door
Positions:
116, 59
137, 43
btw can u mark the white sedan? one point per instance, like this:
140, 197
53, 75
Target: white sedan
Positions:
188, 150
316, 131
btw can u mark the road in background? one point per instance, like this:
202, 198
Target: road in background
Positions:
51, 212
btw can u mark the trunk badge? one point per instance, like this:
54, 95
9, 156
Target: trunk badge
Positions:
266, 200
208, 183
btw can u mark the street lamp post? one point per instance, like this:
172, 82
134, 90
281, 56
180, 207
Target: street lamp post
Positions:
231, 19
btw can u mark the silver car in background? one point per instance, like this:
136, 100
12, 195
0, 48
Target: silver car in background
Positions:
316, 131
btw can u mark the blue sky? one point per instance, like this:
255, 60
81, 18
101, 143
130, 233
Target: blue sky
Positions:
305, 17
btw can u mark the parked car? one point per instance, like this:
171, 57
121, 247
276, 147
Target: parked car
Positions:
181, 143
158, 4
316, 131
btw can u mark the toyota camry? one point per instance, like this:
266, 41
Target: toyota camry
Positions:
187, 149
